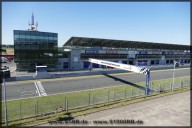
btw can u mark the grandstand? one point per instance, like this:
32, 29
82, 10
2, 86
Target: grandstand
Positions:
77, 50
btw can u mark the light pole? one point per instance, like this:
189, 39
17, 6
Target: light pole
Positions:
174, 63
5, 102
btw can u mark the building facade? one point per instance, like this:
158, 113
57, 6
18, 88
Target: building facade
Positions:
33, 48
79, 49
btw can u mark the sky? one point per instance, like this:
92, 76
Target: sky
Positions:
160, 22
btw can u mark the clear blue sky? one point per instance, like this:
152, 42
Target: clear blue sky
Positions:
161, 22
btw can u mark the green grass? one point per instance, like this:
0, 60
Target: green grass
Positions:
88, 110
19, 109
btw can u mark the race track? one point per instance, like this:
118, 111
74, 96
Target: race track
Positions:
24, 89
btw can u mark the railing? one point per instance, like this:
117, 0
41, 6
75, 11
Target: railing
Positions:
41, 108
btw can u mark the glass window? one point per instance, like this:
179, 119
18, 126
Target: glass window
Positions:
32, 46
16, 32
33, 36
22, 36
27, 35
50, 37
54, 38
16, 36
46, 38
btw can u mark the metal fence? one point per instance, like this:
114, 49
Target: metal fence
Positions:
40, 109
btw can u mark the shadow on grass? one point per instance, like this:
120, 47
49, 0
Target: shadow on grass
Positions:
15, 125
125, 82
65, 117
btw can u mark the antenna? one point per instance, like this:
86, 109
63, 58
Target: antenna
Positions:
32, 19
32, 26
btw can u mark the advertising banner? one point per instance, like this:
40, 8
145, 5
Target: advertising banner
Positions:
131, 54
143, 52
111, 52
156, 52
170, 53
92, 51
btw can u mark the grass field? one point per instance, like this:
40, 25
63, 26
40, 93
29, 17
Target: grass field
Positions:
20, 109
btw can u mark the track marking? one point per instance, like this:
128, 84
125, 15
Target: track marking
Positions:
37, 88
92, 89
10, 83
41, 89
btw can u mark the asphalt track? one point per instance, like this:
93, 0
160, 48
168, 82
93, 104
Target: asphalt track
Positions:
24, 89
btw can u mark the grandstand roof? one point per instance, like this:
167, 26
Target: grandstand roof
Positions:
96, 42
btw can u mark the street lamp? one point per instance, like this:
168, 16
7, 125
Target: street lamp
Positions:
5, 102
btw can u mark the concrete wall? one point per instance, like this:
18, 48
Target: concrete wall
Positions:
94, 72
19, 78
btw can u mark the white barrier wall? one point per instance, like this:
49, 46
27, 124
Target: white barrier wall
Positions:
94, 72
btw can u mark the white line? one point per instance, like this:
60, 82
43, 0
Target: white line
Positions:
37, 88
28, 94
10, 83
41, 89
29, 91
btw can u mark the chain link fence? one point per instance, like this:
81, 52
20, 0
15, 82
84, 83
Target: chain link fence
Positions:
40, 109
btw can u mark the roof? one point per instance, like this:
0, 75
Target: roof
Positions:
97, 42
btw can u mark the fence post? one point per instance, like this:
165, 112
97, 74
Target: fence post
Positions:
66, 105
37, 108
171, 86
125, 93
93, 100
89, 99
151, 89
131, 92
159, 88
113, 94
20, 111
181, 85
108, 95
139, 91
188, 82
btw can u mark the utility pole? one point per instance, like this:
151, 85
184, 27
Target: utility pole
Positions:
174, 63
5, 102
147, 87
